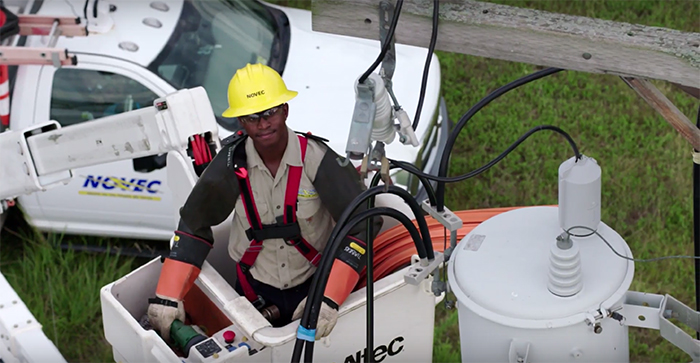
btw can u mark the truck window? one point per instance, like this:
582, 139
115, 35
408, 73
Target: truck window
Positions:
81, 95
213, 38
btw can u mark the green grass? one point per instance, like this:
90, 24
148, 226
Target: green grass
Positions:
647, 169
647, 182
61, 288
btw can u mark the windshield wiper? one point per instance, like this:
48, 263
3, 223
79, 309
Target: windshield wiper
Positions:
280, 42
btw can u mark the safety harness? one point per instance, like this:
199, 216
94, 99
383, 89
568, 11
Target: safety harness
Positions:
286, 228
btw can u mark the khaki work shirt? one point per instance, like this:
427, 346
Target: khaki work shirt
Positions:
279, 264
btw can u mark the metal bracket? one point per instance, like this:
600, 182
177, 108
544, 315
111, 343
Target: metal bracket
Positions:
518, 351
417, 272
438, 287
386, 13
671, 308
446, 217
377, 161
654, 311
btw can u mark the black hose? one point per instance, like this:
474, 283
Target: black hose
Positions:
312, 308
696, 225
387, 42
406, 166
426, 68
444, 161
369, 289
309, 352
424, 251
298, 348
426, 184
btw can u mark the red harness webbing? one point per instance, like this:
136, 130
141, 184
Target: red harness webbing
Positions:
290, 209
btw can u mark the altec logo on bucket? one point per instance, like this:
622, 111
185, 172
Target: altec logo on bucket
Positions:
380, 352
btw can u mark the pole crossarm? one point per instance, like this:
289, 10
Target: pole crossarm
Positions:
528, 36
656, 99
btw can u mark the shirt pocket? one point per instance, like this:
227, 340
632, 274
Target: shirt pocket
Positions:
307, 211
260, 206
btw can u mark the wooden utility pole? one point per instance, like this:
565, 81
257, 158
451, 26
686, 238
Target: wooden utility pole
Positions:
631, 51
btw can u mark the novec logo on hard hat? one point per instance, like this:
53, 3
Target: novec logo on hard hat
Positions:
255, 94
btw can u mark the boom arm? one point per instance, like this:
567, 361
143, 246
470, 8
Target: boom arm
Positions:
42, 156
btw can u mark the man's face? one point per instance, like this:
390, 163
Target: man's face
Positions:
266, 128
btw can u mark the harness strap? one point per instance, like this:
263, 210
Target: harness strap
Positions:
257, 300
290, 208
288, 230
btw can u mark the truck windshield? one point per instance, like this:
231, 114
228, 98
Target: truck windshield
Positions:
213, 38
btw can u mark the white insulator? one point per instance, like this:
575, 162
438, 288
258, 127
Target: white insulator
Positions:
565, 271
383, 129
579, 195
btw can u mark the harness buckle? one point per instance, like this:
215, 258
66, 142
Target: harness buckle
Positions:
245, 268
259, 303
293, 242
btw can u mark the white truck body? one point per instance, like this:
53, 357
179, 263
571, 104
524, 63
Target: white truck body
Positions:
124, 68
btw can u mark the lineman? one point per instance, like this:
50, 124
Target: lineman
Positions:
287, 190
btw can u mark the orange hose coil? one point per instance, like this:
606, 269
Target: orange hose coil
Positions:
394, 247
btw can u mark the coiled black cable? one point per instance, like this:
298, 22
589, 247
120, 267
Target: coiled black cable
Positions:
444, 161
309, 318
370, 257
432, 199
407, 197
413, 169
424, 245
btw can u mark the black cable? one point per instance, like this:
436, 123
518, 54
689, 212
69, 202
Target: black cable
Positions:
593, 231
426, 68
387, 42
298, 347
369, 288
696, 224
427, 249
312, 308
444, 161
85, 15
309, 352
423, 251
406, 166
426, 184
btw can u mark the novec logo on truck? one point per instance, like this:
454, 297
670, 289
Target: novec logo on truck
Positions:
109, 186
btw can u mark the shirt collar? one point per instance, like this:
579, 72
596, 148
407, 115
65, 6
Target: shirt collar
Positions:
291, 157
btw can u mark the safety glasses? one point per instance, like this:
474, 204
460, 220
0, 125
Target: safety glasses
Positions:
253, 119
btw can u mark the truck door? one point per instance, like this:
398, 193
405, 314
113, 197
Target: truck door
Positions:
127, 198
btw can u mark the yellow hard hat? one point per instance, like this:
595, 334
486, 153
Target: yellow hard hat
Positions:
255, 88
